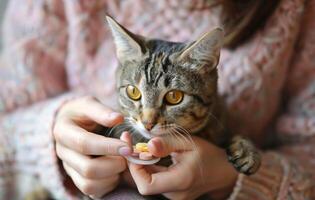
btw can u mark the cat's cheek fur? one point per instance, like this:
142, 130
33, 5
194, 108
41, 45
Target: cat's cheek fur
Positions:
189, 114
189, 123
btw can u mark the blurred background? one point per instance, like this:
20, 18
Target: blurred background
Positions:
3, 4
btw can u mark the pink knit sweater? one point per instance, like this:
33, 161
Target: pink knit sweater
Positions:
55, 50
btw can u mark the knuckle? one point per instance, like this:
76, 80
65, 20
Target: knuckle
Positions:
144, 190
65, 108
114, 181
88, 170
81, 144
110, 188
87, 188
57, 131
182, 196
58, 151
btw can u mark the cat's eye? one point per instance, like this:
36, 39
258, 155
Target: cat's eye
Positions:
133, 92
174, 97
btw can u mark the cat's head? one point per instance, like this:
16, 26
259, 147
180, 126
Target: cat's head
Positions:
165, 86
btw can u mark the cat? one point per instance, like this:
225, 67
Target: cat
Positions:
166, 86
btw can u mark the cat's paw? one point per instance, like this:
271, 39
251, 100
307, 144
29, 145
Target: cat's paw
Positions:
243, 155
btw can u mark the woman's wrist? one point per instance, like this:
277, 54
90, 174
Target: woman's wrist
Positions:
224, 192
225, 188
222, 189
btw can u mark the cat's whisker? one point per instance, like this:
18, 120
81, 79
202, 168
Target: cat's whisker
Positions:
185, 137
178, 138
137, 137
171, 129
135, 133
117, 129
125, 126
177, 135
185, 140
111, 131
186, 133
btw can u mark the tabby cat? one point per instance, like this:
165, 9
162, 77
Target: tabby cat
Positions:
167, 87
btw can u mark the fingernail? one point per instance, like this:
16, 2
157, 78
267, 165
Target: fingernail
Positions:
124, 151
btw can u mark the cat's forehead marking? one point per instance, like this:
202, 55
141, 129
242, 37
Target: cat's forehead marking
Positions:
157, 67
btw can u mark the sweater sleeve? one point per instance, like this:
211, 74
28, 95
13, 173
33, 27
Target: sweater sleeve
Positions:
33, 87
27, 153
287, 172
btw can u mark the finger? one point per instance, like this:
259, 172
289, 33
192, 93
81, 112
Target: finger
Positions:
186, 194
161, 147
87, 143
171, 180
99, 113
97, 188
92, 168
126, 137
94, 197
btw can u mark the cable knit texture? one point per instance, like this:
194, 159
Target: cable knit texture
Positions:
54, 48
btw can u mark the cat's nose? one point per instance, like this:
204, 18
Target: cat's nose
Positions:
148, 125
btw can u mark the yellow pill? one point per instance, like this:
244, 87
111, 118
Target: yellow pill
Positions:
143, 147
141, 144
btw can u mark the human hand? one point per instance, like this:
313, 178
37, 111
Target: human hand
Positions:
197, 170
76, 144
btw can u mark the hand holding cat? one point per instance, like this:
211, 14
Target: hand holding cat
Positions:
75, 144
197, 170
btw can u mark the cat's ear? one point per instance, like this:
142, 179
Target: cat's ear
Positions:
205, 51
128, 45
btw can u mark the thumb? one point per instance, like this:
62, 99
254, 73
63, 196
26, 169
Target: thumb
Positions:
161, 147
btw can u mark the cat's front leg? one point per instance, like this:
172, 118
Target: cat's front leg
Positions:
243, 155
